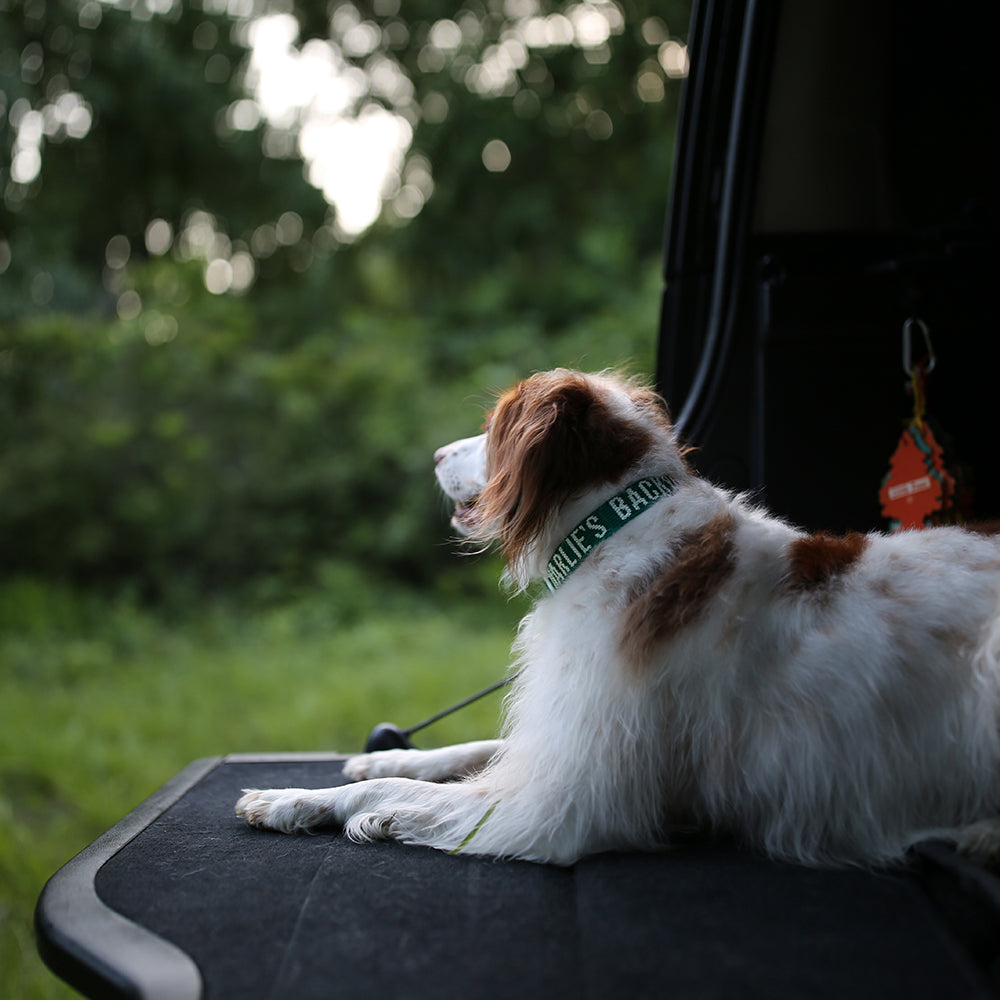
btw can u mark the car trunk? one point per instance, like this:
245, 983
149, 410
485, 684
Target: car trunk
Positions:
835, 178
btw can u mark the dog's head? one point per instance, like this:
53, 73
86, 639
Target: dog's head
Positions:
552, 445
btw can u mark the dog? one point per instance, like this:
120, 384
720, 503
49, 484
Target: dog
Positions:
694, 663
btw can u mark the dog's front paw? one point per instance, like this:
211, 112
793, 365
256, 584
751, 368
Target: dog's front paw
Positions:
286, 810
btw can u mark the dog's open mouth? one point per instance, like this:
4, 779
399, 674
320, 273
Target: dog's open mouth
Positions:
464, 518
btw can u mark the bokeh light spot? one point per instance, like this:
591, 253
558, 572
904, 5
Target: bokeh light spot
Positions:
159, 236
129, 305
496, 156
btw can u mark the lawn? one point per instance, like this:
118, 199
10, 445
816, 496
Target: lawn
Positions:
102, 701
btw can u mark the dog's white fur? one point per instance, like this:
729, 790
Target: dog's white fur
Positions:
830, 718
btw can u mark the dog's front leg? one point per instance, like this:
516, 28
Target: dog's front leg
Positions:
441, 764
441, 816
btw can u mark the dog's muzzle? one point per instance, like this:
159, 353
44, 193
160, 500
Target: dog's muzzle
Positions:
460, 468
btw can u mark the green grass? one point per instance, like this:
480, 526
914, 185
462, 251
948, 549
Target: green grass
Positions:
101, 702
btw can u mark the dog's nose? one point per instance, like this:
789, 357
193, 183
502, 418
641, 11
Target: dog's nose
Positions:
439, 455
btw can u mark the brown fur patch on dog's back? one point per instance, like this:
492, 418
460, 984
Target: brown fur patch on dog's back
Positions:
983, 527
680, 591
814, 561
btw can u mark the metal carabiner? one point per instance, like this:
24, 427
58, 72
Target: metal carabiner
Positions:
908, 365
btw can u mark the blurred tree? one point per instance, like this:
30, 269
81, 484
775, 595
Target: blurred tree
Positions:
205, 361
539, 141
118, 117
544, 130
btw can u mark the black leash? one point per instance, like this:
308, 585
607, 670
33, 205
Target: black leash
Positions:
386, 736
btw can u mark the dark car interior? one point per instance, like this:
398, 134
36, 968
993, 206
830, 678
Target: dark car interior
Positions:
836, 178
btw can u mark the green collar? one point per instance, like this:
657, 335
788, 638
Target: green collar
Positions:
603, 523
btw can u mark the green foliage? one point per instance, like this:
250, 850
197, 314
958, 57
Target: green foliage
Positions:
157, 146
207, 455
578, 211
181, 448
103, 702
160, 437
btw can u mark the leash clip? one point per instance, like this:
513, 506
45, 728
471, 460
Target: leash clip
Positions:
931, 360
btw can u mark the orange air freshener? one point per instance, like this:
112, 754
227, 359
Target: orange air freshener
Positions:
922, 487
918, 486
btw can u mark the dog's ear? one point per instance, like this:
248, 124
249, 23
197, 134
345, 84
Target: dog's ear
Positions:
551, 437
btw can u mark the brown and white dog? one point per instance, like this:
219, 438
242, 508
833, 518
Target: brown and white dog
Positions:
697, 663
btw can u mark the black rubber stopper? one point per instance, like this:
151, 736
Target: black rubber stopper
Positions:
386, 736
